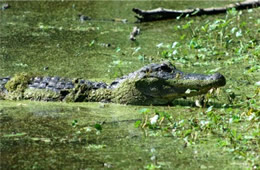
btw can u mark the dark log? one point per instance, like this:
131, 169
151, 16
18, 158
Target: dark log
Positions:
162, 13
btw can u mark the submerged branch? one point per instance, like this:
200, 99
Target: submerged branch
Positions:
162, 13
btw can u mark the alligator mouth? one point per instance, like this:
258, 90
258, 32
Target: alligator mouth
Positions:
188, 85
179, 85
200, 81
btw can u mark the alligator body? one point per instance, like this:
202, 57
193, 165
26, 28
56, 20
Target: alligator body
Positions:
155, 84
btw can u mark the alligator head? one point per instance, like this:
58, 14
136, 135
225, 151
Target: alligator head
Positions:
162, 83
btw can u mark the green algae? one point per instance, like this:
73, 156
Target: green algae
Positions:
35, 38
100, 95
47, 132
84, 93
17, 85
78, 94
41, 95
127, 93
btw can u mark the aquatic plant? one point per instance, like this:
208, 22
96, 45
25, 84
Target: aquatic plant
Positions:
236, 131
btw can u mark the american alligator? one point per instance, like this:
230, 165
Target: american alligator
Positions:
154, 84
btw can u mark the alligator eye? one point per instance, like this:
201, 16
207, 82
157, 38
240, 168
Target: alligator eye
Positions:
166, 68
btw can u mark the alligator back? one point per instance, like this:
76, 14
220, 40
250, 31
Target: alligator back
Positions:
44, 86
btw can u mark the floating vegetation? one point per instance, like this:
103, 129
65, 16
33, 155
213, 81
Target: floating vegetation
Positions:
236, 130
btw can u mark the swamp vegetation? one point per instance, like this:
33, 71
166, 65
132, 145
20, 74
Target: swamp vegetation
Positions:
48, 38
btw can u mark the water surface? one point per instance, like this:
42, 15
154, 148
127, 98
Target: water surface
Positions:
47, 38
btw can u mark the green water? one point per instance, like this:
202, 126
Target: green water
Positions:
35, 35
47, 38
41, 136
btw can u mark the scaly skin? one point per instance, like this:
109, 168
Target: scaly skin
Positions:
155, 84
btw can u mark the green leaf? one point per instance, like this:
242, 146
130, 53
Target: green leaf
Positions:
179, 17
215, 70
144, 111
98, 126
138, 123
15, 135
250, 10
187, 132
232, 11
118, 49
74, 123
91, 43
141, 57
209, 109
196, 11
239, 33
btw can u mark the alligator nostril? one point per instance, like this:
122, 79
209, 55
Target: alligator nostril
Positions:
219, 78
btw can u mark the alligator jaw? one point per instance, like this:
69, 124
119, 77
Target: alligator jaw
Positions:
194, 84
162, 91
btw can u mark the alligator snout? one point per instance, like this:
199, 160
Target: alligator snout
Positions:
219, 79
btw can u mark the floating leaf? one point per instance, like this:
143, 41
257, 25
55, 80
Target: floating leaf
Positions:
215, 70
15, 134
21, 65
144, 111
138, 123
154, 119
159, 45
233, 30
92, 146
257, 83
174, 44
98, 126
136, 50
91, 43
187, 91
209, 109
141, 58
74, 123
118, 49
239, 33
